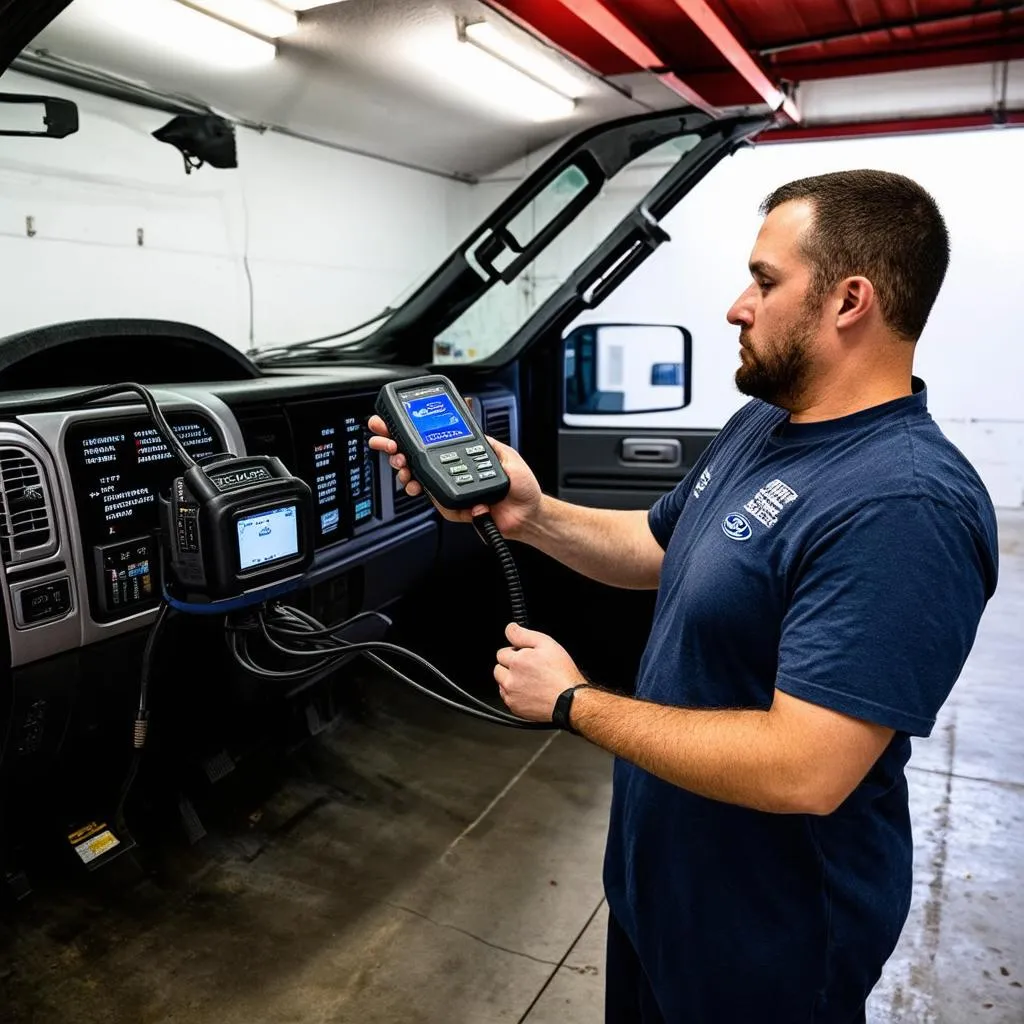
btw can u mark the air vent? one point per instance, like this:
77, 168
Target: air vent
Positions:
26, 527
266, 431
499, 418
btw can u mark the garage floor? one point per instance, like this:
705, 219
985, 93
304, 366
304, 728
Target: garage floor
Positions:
418, 867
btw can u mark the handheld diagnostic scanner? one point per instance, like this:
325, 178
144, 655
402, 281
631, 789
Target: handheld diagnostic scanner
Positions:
445, 449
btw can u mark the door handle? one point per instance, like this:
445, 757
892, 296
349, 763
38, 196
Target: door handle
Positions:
666, 451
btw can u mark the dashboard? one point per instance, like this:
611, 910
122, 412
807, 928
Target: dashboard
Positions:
80, 486
117, 468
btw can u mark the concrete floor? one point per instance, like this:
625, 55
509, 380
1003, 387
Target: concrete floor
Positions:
419, 867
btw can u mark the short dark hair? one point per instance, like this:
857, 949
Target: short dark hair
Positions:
877, 225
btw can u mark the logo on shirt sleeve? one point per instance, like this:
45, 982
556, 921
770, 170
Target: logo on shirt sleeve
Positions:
735, 527
705, 479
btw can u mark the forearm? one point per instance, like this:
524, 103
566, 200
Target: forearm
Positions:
736, 756
608, 545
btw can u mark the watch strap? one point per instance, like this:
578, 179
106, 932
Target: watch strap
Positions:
563, 707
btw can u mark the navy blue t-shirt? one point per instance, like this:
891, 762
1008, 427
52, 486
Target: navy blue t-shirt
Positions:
846, 563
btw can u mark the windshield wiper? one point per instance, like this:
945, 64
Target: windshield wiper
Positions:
283, 352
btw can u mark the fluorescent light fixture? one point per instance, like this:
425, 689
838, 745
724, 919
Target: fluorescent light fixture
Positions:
468, 75
173, 26
501, 86
264, 17
495, 82
531, 62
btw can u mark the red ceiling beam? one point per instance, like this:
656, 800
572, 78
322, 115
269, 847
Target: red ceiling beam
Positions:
718, 33
898, 126
609, 25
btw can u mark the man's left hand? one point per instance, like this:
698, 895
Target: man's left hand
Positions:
533, 672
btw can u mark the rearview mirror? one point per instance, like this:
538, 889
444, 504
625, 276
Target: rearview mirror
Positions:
44, 116
627, 368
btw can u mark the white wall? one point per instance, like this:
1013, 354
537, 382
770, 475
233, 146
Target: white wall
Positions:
924, 92
970, 354
331, 237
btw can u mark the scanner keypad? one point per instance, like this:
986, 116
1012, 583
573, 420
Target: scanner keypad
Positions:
461, 463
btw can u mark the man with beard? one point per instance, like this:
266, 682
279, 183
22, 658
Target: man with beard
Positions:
821, 574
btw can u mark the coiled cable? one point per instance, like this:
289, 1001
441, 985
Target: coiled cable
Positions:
490, 534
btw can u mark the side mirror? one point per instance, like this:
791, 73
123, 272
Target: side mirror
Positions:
42, 116
626, 368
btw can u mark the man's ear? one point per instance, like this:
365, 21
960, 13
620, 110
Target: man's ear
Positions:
857, 295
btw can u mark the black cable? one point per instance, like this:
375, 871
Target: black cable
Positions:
277, 674
330, 651
413, 656
315, 629
161, 424
497, 717
491, 535
142, 715
295, 613
141, 724
297, 346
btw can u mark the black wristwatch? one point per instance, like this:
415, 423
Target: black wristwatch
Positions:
560, 715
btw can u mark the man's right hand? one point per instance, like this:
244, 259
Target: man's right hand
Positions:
518, 507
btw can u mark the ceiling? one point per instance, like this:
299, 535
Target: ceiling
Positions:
362, 74
371, 74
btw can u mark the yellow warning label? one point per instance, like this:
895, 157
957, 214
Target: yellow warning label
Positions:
97, 846
85, 831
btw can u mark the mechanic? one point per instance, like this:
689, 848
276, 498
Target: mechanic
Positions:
821, 575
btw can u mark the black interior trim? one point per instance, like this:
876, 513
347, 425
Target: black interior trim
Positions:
611, 482
31, 572
22, 21
144, 351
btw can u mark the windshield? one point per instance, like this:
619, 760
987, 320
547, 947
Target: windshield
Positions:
507, 304
490, 321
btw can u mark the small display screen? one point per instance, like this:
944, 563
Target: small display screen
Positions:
119, 466
128, 574
268, 537
435, 418
326, 483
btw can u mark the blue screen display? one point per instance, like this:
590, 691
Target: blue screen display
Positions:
329, 521
436, 419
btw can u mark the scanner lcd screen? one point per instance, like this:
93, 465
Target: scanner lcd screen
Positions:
267, 537
436, 419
